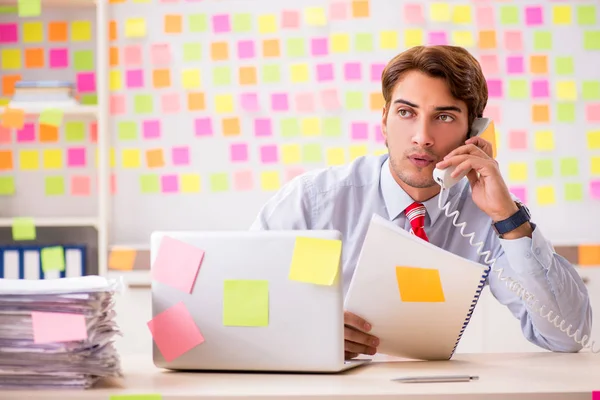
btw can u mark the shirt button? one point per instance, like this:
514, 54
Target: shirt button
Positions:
537, 251
528, 255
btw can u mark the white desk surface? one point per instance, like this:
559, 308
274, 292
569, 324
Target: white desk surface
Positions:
501, 376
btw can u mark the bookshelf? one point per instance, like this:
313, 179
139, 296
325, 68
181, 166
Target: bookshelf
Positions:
75, 111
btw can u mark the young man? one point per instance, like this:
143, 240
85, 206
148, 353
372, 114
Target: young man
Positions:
432, 95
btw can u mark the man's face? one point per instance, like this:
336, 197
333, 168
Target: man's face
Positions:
423, 124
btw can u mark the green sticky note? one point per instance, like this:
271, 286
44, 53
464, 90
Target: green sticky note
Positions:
290, 127
51, 116
83, 60
29, 8
573, 191
586, 15
564, 65
55, 185
271, 73
89, 99
542, 40
7, 186
315, 260
149, 183
127, 130
143, 104
295, 47
354, 101
590, 90
242, 22
544, 168
8, 10
518, 89
197, 23
192, 52
509, 15
135, 397
363, 42
74, 131
591, 40
332, 126
53, 258
221, 76
565, 112
23, 228
219, 182
312, 152
245, 302
569, 166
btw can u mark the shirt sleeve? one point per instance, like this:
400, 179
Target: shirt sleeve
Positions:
557, 289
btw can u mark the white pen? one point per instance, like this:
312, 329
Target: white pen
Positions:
436, 378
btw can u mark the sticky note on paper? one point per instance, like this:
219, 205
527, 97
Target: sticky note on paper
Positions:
53, 258
174, 331
245, 302
13, 118
58, 327
422, 285
315, 260
122, 259
177, 264
23, 228
52, 117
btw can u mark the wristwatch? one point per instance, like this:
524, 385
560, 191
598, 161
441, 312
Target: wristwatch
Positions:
514, 221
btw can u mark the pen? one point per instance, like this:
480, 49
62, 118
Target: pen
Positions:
436, 378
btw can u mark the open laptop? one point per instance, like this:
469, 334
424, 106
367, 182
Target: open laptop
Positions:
305, 329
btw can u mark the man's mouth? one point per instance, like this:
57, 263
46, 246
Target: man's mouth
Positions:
421, 160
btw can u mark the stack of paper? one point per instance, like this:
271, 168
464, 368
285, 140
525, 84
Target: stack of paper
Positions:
57, 333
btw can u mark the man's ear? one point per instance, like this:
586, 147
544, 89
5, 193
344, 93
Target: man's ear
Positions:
383, 123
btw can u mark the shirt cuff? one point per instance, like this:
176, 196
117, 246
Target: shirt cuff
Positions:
529, 255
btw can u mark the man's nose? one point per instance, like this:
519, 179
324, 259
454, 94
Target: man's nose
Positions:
422, 136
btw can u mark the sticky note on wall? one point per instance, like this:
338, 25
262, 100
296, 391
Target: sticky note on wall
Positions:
23, 228
315, 260
421, 285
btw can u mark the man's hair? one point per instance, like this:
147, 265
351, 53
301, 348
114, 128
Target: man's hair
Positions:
455, 65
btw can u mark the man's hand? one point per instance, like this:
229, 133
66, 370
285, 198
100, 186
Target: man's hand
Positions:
356, 340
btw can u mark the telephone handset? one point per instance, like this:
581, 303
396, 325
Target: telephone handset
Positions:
484, 127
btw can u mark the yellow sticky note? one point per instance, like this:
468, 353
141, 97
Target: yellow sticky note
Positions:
566, 90
53, 258
388, 40
135, 27
13, 118
315, 16
420, 285
413, 37
562, 15
11, 58
115, 81
336, 156
358, 150
461, 14
23, 228
545, 195
33, 32
544, 141
311, 126
290, 154
299, 73
190, 78
269, 180
189, 183
52, 159
267, 23
315, 260
81, 31
131, 158
463, 38
29, 160
340, 43
122, 259
593, 140
245, 302
224, 103
517, 171
595, 165
439, 12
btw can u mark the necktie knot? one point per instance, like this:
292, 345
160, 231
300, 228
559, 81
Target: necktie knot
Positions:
416, 215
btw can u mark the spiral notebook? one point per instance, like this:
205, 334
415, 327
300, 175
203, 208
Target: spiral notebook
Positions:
418, 297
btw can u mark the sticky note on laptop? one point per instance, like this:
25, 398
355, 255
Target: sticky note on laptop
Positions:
177, 264
245, 302
315, 260
422, 285
58, 327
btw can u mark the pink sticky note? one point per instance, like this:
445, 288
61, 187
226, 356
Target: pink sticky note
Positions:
132, 56
596, 395
352, 71
514, 64
376, 71
86, 82
293, 172
437, 38
180, 155
520, 192
290, 19
319, 47
534, 15
540, 88
5, 136
305, 102
485, 16
595, 189
592, 112
413, 13
170, 103
221, 23
243, 180
245, 49
330, 99
169, 184
517, 140
494, 87
268, 153
94, 131
262, 127
494, 112
59, 58
249, 102
489, 64
161, 54
151, 129
238, 152
80, 185
359, 131
76, 157
324, 72
174, 332
117, 104
51, 327
26, 133
134, 78
378, 132
338, 10
279, 102
177, 264
8, 33
513, 40
203, 127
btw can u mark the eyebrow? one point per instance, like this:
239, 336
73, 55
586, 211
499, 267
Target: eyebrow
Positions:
440, 108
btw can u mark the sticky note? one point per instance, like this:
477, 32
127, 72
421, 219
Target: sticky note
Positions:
190, 183
489, 64
224, 103
354, 100
439, 12
540, 88
155, 158
566, 90
51, 327
544, 141
279, 102
262, 127
564, 65
149, 183
221, 75
7, 186
545, 195
588, 255
357, 151
540, 113
238, 152
174, 331
33, 32
413, 14
312, 153
53, 258
517, 140
203, 127
324, 72
595, 165
169, 183
517, 171
249, 102
485, 16
586, 15
270, 181
190, 78
315, 260
27, 133
299, 73
81, 31
332, 126
80, 185
267, 23
494, 87
461, 14
135, 27
6, 160
197, 23
315, 16
242, 22
569, 166
590, 90
269, 154
305, 102
55, 185
13, 118
562, 15
86, 82
359, 131
289, 127
130, 158
340, 43
52, 159
83, 60
487, 40
143, 104
290, 153
593, 140
221, 23
135, 397
437, 38
243, 180
270, 73
388, 40
219, 182
310, 126
23, 228
518, 89
29, 160
363, 43
509, 15
360, 8
134, 78
335, 156
246, 303
170, 103
231, 126
29, 8
177, 264
534, 15
573, 191
414, 37
542, 40
514, 64
421, 285
59, 58
180, 155
513, 41
544, 168
51, 116
9, 33
595, 189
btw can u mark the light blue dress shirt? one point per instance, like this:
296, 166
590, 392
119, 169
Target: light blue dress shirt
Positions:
345, 197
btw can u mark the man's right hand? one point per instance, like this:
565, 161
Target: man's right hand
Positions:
356, 340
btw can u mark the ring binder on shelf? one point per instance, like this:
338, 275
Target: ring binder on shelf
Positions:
24, 262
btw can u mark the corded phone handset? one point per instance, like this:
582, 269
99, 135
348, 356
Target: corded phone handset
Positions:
484, 127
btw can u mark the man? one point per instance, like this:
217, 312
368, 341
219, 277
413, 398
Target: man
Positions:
432, 96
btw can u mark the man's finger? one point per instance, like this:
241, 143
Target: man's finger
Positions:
470, 148
349, 355
355, 321
482, 144
360, 337
352, 347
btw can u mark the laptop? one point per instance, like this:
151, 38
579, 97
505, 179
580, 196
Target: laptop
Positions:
305, 327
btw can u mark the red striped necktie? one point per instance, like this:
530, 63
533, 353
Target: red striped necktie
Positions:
416, 215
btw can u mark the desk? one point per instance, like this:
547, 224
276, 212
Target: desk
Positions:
522, 376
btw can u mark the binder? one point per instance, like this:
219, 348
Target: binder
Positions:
24, 262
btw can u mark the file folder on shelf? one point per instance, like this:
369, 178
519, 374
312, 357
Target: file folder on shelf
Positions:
24, 262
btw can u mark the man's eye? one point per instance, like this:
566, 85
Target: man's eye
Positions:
446, 118
404, 113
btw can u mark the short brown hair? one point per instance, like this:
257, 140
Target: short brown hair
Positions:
455, 65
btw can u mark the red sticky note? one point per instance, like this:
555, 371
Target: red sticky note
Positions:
58, 327
175, 332
177, 264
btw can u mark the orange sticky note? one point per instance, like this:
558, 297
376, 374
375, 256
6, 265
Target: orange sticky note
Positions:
247, 75
487, 39
8, 84
271, 48
196, 101
360, 8
34, 58
114, 56
154, 158
540, 113
219, 51
57, 31
122, 259
231, 126
48, 133
13, 118
538, 64
6, 160
589, 255
161, 78
58, 327
376, 101
422, 285
172, 23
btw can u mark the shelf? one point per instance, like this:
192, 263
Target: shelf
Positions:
77, 110
56, 3
133, 278
55, 222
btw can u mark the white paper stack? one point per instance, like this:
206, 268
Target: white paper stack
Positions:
57, 333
